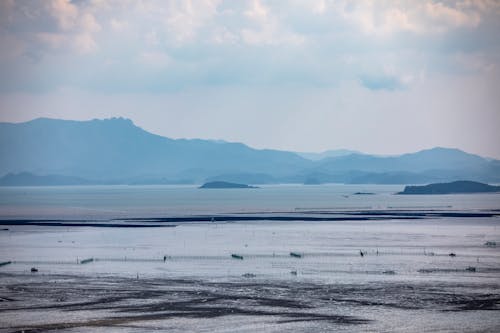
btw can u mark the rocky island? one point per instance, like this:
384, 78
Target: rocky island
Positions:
221, 184
457, 187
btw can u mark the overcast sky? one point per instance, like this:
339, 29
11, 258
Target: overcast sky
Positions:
381, 77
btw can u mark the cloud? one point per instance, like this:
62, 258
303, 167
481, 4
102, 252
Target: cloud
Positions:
118, 25
50, 26
214, 42
266, 28
89, 24
155, 59
84, 43
184, 17
63, 11
423, 17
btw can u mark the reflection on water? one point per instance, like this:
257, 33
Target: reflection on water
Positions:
329, 251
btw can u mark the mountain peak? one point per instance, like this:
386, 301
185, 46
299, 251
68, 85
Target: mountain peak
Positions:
46, 120
120, 120
443, 151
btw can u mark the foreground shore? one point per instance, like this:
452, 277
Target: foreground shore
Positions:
50, 302
411, 271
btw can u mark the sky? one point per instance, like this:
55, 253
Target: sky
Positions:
383, 77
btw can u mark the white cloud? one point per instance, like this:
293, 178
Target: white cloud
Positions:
268, 29
422, 17
155, 59
320, 42
64, 11
118, 25
89, 24
318, 7
257, 11
84, 43
184, 17
444, 17
222, 35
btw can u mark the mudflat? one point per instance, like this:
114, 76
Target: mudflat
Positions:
47, 302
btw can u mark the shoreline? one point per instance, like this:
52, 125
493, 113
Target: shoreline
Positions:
291, 216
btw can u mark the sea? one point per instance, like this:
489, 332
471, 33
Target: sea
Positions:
101, 202
369, 252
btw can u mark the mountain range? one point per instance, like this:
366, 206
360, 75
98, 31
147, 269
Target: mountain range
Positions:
115, 151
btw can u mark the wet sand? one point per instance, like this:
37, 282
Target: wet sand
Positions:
50, 302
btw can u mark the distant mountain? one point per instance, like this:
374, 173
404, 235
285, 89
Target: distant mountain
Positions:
431, 159
328, 153
437, 164
457, 187
115, 151
29, 179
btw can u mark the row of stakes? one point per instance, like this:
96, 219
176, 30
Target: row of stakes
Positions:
240, 257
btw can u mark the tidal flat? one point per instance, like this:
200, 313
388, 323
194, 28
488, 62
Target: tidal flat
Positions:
282, 259
44, 303
374, 275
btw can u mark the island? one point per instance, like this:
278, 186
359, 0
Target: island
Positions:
221, 184
457, 187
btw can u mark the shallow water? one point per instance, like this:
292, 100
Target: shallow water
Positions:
405, 281
330, 250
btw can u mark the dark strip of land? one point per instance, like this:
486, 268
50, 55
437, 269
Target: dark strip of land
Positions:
303, 215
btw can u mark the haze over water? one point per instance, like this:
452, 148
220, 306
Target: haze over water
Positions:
93, 202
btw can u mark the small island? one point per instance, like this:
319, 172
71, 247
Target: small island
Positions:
221, 184
457, 187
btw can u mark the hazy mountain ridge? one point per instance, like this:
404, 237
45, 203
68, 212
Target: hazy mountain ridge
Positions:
430, 159
327, 153
116, 151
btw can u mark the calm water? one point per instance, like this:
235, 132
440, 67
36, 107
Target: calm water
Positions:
330, 249
139, 201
